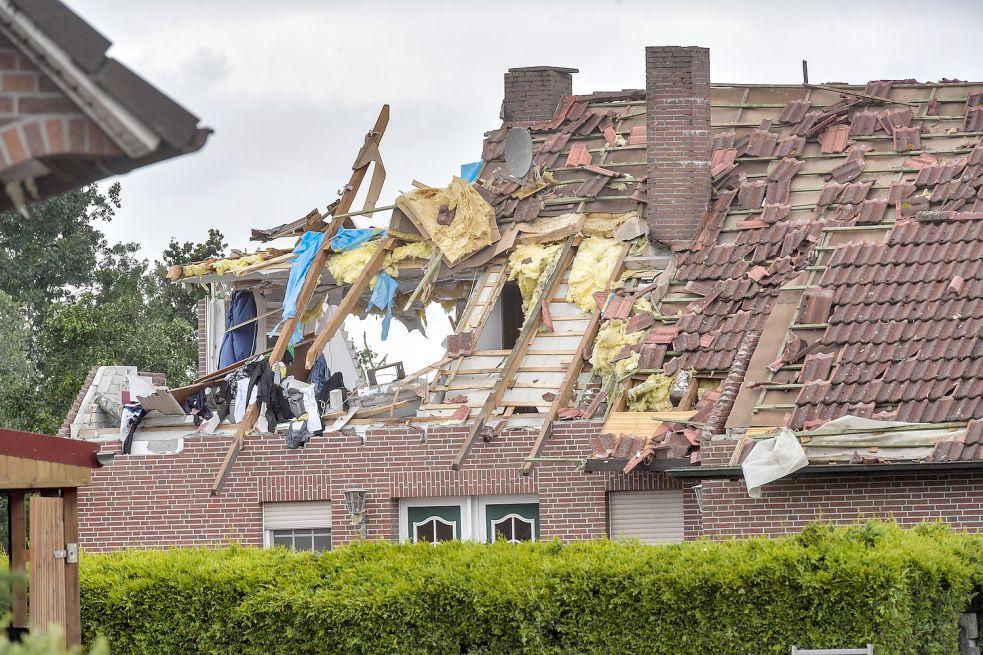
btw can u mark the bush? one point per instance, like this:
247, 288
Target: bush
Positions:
903, 590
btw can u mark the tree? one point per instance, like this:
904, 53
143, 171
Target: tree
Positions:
81, 302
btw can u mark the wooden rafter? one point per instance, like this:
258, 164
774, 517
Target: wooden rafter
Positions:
511, 364
573, 372
359, 171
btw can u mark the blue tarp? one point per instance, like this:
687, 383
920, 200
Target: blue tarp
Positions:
306, 249
238, 344
346, 240
469, 172
382, 297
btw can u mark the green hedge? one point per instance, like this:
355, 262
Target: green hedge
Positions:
900, 589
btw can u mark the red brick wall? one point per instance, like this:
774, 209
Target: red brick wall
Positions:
677, 99
787, 506
159, 501
37, 119
534, 93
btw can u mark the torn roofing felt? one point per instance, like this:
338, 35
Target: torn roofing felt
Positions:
844, 228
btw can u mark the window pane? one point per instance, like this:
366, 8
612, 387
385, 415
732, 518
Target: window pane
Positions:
322, 541
424, 532
443, 531
303, 541
503, 530
283, 538
521, 530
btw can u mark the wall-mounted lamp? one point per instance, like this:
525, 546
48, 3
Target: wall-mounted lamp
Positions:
355, 505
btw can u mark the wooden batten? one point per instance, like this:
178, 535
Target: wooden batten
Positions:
21, 473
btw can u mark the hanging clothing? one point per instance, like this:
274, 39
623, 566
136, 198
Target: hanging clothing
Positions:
302, 401
195, 405
319, 375
298, 434
238, 344
218, 399
130, 419
382, 297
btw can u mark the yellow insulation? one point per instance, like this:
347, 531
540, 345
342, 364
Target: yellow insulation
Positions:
602, 224
345, 267
528, 264
651, 395
592, 268
417, 250
611, 339
643, 305
226, 265
470, 230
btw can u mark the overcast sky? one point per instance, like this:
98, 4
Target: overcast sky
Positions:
290, 87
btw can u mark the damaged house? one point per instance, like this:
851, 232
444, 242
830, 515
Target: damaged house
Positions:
687, 310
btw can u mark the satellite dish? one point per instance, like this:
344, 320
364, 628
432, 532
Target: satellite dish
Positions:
518, 152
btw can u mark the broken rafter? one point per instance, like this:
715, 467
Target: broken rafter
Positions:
573, 372
529, 329
368, 154
348, 303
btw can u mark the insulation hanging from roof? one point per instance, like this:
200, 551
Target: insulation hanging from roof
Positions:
602, 224
347, 266
593, 266
611, 340
652, 395
528, 264
469, 229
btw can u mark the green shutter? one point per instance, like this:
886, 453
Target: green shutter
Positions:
449, 513
529, 511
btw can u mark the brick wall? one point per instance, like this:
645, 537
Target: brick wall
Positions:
677, 99
788, 505
37, 119
202, 336
160, 501
534, 93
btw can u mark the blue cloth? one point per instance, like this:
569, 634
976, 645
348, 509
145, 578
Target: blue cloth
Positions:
382, 297
346, 240
469, 172
306, 250
238, 344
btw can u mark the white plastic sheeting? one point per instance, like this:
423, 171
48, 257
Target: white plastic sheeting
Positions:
772, 459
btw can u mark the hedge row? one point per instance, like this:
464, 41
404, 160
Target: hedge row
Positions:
903, 590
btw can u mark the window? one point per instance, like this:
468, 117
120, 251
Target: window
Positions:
470, 518
512, 522
318, 540
434, 524
652, 517
304, 525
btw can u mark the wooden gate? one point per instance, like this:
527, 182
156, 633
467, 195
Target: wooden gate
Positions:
47, 539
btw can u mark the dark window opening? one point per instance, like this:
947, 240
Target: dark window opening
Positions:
434, 530
511, 314
513, 529
317, 539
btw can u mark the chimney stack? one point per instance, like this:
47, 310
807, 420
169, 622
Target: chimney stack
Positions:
677, 102
533, 93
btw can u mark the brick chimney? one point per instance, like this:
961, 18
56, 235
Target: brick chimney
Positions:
677, 100
533, 93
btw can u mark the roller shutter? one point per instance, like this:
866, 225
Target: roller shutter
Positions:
303, 514
650, 516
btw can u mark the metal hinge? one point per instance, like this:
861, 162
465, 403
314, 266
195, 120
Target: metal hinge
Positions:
70, 554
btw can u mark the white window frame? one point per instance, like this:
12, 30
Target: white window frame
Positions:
512, 516
417, 524
268, 530
473, 512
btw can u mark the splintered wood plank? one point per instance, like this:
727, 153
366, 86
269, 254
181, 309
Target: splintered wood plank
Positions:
365, 157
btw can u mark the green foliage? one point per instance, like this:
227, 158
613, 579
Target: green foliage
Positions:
900, 589
69, 301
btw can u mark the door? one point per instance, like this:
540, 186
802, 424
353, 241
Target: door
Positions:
652, 517
47, 582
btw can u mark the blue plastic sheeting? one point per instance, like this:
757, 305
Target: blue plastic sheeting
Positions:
238, 344
306, 249
346, 240
469, 172
382, 297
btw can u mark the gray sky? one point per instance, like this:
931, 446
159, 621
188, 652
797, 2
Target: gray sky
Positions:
290, 87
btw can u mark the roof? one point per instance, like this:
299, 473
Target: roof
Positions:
44, 448
128, 122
